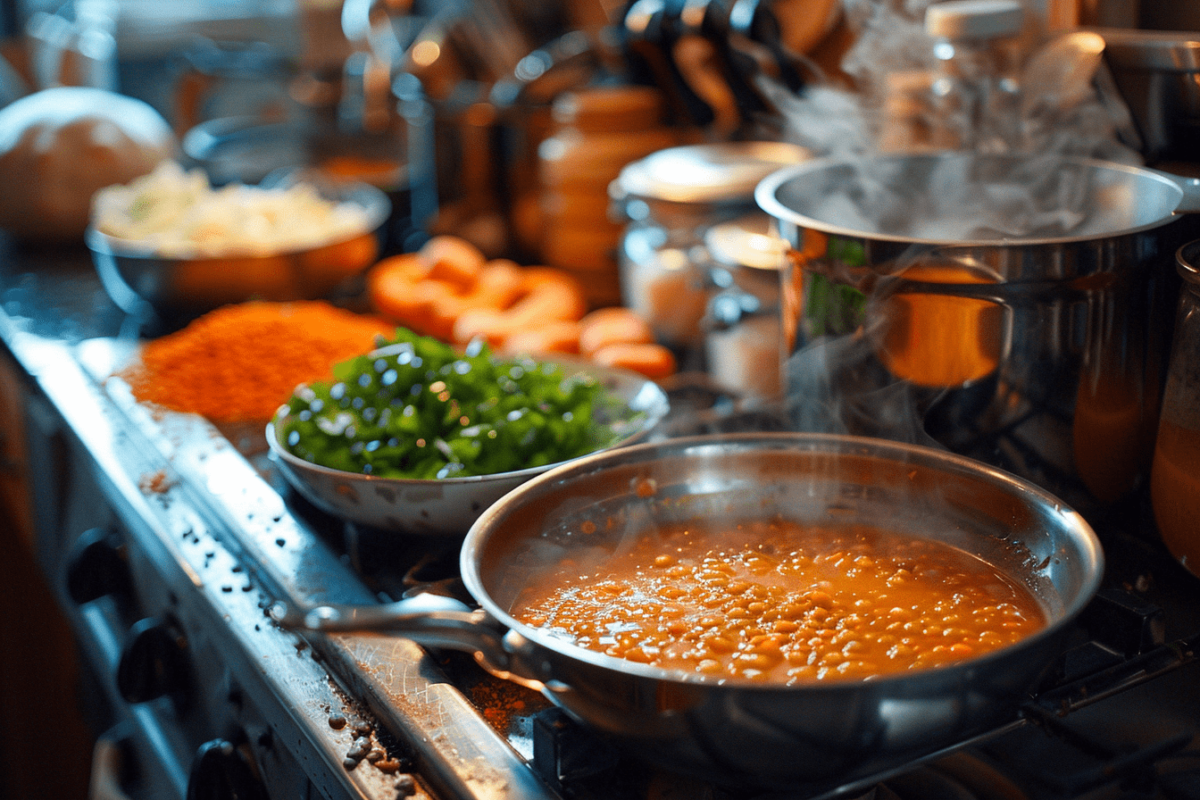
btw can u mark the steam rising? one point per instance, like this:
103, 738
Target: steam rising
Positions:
872, 352
959, 198
1057, 107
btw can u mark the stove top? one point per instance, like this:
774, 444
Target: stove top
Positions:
1118, 720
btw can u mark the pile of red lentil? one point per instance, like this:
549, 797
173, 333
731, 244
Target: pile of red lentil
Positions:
239, 363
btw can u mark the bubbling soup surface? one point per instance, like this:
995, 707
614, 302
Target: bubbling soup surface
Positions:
780, 602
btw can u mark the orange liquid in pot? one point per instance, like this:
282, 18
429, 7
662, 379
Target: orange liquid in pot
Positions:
1175, 492
772, 601
1112, 434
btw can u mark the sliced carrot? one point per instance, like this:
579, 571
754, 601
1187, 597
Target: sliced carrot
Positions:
652, 360
611, 325
499, 285
561, 336
501, 282
452, 259
553, 296
391, 285
486, 323
550, 301
429, 299
554, 291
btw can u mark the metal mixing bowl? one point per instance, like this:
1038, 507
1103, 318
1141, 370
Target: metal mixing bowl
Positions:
1156, 74
449, 506
170, 291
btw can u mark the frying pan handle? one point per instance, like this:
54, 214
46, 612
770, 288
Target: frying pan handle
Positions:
427, 619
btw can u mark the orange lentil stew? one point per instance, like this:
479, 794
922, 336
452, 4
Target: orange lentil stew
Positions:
775, 602
241, 362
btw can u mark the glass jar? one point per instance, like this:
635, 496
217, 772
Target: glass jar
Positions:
669, 201
743, 329
1175, 474
974, 89
748, 253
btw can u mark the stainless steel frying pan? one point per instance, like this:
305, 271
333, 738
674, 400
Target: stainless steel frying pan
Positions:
740, 732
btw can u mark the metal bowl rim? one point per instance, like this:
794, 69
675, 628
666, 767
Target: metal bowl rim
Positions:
373, 200
659, 410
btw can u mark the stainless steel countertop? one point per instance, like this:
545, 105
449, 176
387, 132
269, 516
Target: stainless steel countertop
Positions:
67, 336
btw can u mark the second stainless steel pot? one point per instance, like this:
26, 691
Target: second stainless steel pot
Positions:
1034, 340
801, 738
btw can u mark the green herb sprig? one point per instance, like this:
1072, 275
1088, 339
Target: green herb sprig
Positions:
417, 408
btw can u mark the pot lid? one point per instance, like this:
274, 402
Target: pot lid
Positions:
706, 173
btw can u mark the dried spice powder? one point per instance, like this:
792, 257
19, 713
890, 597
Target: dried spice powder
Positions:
239, 363
501, 701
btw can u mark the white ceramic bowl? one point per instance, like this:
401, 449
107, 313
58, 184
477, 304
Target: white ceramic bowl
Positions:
449, 506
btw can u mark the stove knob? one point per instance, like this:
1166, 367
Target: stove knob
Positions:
97, 566
153, 662
222, 771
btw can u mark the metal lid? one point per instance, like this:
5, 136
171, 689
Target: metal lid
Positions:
974, 19
706, 173
1167, 51
748, 241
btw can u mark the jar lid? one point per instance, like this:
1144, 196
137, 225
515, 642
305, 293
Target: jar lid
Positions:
974, 19
706, 173
748, 241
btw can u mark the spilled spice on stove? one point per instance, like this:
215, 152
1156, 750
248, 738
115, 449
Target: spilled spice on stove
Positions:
239, 363
499, 701
154, 483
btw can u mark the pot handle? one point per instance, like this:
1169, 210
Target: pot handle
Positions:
1190, 203
427, 619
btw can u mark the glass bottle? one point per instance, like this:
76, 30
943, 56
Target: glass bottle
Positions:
974, 92
1175, 473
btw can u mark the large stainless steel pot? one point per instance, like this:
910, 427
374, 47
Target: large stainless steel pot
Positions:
741, 732
1035, 343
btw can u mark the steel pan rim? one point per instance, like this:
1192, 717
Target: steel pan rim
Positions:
1081, 532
